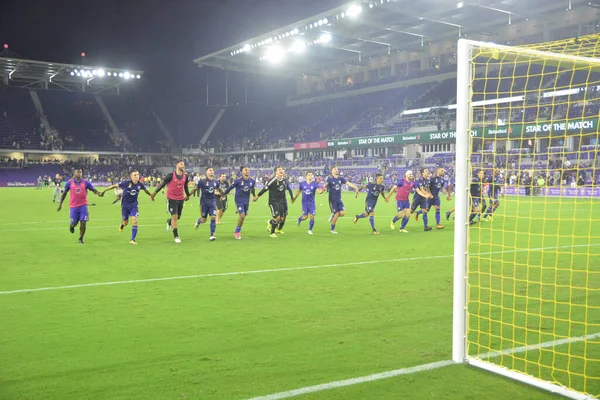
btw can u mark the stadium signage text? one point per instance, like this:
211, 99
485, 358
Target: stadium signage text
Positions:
310, 145
508, 131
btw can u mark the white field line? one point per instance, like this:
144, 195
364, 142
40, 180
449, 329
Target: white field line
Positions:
415, 369
266, 271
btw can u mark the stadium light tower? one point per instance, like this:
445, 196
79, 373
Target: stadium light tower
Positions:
275, 54
353, 11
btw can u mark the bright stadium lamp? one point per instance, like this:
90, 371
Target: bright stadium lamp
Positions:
298, 46
120, 74
109, 73
325, 38
72, 73
246, 48
126, 75
138, 76
275, 54
353, 11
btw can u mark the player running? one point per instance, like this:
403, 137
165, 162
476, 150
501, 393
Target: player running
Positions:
209, 188
495, 182
403, 189
129, 205
177, 191
276, 187
476, 192
221, 200
422, 196
334, 185
308, 188
57, 187
374, 190
78, 202
437, 184
244, 186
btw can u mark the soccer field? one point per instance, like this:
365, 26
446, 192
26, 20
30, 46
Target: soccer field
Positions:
237, 319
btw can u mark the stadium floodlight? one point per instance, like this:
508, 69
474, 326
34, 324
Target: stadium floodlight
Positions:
120, 74
138, 76
325, 38
126, 75
275, 54
72, 73
325, 21
320, 23
353, 11
109, 73
246, 48
78, 73
298, 46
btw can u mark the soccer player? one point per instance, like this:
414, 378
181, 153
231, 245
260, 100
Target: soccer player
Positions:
209, 188
276, 187
422, 196
308, 188
129, 205
374, 190
78, 202
279, 230
221, 200
436, 185
475, 191
244, 186
334, 185
494, 189
57, 182
177, 190
403, 189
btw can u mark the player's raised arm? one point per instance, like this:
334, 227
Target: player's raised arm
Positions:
114, 186
353, 186
230, 188
91, 188
392, 190
264, 189
297, 194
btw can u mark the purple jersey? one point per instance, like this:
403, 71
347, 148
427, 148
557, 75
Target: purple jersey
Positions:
335, 188
436, 184
131, 191
208, 188
308, 192
422, 184
243, 188
373, 192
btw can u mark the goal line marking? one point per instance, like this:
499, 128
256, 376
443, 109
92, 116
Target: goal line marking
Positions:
416, 369
265, 271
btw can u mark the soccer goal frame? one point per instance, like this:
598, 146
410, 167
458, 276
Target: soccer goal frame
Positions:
466, 51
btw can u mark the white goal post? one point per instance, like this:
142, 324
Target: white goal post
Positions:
467, 72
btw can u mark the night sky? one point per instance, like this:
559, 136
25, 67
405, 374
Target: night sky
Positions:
161, 37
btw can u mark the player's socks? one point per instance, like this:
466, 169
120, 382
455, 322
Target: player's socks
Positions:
281, 225
363, 215
372, 221
175, 232
404, 222
396, 219
311, 224
238, 229
419, 212
134, 230
213, 227
438, 217
333, 227
273, 226
299, 220
121, 227
425, 218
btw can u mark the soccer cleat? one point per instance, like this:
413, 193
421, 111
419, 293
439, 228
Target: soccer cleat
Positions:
310, 232
212, 238
269, 226
333, 232
169, 224
427, 228
392, 225
375, 233
279, 232
439, 226
403, 231
132, 242
177, 240
355, 219
448, 213
197, 224
71, 229
121, 228
273, 235
237, 235
80, 241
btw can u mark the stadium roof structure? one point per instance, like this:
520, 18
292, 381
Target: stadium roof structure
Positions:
72, 77
352, 33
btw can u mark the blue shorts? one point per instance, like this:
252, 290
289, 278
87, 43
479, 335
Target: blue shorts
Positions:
369, 206
309, 209
475, 202
242, 208
79, 214
208, 209
434, 202
401, 205
129, 210
419, 202
336, 206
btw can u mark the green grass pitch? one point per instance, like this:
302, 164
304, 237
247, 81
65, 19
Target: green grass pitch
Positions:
370, 304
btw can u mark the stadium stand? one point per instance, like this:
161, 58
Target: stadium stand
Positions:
19, 126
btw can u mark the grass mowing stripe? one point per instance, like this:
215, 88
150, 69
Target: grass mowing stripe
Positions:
416, 369
264, 271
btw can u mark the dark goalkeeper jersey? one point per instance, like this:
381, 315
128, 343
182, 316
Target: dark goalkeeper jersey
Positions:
276, 189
